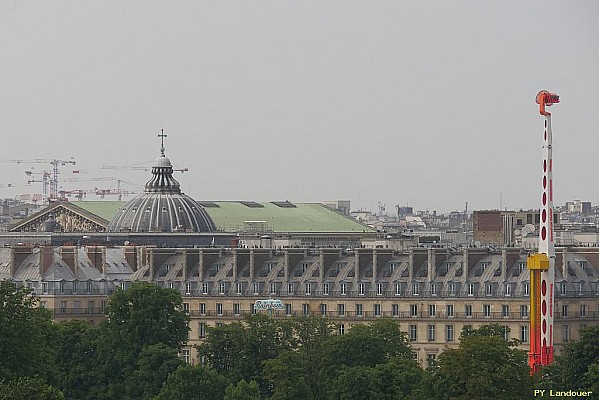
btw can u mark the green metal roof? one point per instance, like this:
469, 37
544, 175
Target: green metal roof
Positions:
234, 216
104, 209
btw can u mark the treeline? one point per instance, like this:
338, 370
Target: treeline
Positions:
134, 354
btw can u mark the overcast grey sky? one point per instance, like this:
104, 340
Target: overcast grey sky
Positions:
428, 104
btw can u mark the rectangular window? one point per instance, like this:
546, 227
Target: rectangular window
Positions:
521, 267
430, 360
323, 309
44, 287
415, 289
222, 287
506, 333
273, 288
505, 310
103, 305
565, 333
61, 287
187, 288
287, 308
395, 310
325, 289
451, 289
432, 310
471, 289
186, 308
308, 288
486, 310
236, 308
377, 310
219, 308
75, 285
413, 310
359, 310
238, 288
91, 305
89, 287
583, 310
202, 308
562, 288
449, 333
564, 310
468, 310
63, 307
398, 289
343, 289
205, 288
202, 330
449, 310
524, 333
431, 333
433, 289
508, 290
185, 355
361, 289
379, 289
341, 310
524, 311
526, 289
489, 289
290, 288
413, 333
341, 329
306, 309
256, 287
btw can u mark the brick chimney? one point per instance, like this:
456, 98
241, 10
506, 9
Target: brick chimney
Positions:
97, 256
46, 258
131, 257
70, 257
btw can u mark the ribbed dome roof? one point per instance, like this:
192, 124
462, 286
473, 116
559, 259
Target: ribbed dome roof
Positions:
162, 207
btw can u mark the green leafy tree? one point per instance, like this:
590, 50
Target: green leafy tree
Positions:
355, 383
131, 354
191, 382
576, 367
30, 389
154, 365
400, 378
485, 366
77, 359
147, 314
290, 377
222, 347
591, 379
243, 391
27, 335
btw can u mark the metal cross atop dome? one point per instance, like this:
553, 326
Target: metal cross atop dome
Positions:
162, 136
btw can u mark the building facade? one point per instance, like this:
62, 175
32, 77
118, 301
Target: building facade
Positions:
433, 292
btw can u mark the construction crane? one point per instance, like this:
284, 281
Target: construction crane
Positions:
55, 170
45, 181
138, 168
542, 264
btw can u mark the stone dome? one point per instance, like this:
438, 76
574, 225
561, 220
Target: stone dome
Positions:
162, 207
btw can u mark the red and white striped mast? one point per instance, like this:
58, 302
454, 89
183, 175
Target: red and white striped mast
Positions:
542, 264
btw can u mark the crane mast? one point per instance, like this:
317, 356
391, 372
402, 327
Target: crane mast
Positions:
542, 264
